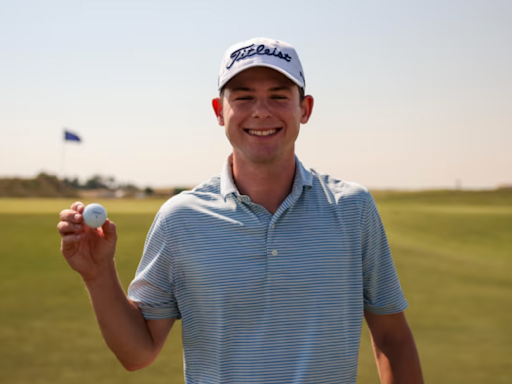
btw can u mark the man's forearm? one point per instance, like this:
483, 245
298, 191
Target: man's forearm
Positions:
121, 323
398, 361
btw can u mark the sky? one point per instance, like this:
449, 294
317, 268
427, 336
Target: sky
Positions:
408, 94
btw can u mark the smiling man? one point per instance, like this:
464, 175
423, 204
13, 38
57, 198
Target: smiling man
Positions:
271, 266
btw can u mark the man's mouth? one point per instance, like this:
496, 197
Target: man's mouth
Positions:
262, 132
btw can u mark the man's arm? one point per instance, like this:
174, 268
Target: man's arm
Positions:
135, 341
89, 251
395, 351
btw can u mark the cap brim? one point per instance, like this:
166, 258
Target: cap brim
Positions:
274, 67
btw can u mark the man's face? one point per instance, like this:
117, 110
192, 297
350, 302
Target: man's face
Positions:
262, 113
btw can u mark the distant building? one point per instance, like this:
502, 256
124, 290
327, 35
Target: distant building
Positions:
92, 194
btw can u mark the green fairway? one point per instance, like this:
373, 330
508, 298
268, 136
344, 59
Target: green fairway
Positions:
452, 250
54, 206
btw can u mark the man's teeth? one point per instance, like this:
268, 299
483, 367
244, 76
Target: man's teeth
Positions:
262, 133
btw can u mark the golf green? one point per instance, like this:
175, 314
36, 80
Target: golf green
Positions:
452, 250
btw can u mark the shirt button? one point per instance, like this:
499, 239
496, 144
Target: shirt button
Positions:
274, 252
240, 198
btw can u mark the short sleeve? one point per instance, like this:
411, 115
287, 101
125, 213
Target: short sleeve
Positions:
383, 294
152, 289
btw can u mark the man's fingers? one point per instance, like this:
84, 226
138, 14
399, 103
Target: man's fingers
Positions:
66, 227
74, 214
71, 216
71, 239
77, 206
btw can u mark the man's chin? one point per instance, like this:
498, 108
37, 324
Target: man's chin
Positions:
266, 157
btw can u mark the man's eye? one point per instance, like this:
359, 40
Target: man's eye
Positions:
279, 97
244, 98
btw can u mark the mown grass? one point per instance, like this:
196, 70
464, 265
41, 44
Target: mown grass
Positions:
22, 206
452, 250
453, 253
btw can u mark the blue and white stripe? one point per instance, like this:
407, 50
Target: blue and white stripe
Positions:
269, 298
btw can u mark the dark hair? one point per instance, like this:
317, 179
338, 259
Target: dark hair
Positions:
302, 94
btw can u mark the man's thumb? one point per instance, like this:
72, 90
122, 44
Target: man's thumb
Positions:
109, 230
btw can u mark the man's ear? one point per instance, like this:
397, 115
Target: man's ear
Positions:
217, 108
307, 108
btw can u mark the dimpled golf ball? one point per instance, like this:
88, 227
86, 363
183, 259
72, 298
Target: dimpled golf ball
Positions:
94, 215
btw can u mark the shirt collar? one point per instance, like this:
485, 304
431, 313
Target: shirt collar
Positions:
303, 178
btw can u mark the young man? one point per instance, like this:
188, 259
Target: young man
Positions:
270, 266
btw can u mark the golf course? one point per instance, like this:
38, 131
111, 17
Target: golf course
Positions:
452, 251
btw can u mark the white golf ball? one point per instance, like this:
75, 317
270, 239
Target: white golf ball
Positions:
94, 215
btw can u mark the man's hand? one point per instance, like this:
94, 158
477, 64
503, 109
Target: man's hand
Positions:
89, 251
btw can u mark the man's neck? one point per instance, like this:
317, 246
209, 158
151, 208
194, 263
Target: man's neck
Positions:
266, 184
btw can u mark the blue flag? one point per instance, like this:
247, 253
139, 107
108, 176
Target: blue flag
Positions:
68, 136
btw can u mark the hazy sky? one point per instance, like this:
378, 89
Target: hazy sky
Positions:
409, 94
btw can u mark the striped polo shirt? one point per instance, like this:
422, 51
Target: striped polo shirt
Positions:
268, 298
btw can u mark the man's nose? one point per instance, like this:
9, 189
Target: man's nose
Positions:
261, 109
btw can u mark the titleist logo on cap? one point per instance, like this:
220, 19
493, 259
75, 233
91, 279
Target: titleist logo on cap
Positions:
245, 52
261, 52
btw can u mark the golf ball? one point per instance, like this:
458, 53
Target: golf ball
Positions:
94, 215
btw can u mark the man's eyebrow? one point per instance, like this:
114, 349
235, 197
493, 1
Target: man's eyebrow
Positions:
242, 89
273, 89
280, 88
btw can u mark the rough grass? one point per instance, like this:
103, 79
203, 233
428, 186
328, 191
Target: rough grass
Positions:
452, 250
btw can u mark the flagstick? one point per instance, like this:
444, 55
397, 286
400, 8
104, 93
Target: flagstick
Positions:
63, 169
67, 136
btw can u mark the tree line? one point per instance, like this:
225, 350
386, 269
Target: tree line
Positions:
47, 185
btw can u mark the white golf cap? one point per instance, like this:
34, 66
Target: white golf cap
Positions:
261, 52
